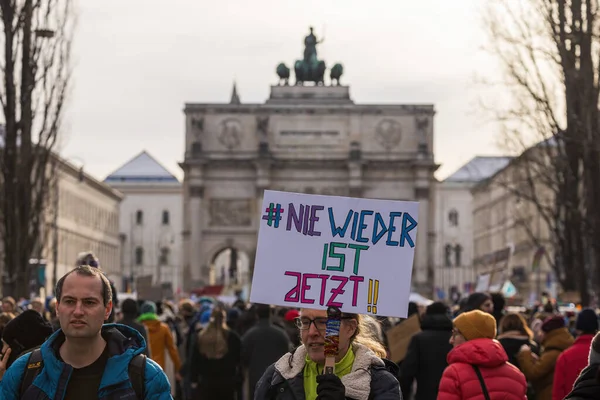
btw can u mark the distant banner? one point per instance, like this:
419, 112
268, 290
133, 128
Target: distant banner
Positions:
317, 251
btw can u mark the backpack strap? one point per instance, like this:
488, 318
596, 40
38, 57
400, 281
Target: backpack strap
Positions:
34, 366
486, 394
137, 369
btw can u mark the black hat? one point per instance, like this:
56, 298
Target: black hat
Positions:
587, 321
24, 332
437, 308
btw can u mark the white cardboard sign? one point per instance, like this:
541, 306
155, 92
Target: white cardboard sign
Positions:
317, 251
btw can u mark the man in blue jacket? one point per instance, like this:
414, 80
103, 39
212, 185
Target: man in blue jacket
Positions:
86, 359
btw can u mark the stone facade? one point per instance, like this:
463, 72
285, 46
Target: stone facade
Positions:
87, 220
307, 139
454, 270
503, 230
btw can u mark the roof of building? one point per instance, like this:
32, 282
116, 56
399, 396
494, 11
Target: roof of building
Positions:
142, 168
479, 168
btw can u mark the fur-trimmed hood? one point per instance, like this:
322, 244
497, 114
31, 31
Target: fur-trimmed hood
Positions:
513, 335
357, 382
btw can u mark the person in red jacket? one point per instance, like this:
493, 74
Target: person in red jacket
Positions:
574, 359
478, 364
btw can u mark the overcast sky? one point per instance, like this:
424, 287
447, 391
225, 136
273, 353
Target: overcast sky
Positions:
139, 61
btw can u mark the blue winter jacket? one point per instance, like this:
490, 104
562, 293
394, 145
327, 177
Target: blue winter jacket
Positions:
52, 381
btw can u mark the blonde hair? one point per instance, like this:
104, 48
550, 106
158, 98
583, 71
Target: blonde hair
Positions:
212, 340
366, 336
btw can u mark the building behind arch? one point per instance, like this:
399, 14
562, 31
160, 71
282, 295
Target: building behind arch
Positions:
150, 222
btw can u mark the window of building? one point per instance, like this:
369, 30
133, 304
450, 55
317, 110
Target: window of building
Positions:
453, 218
139, 217
448, 255
163, 258
458, 255
139, 256
165, 217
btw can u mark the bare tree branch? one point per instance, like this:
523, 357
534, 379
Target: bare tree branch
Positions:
36, 71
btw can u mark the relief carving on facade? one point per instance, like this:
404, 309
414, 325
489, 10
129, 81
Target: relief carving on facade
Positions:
230, 212
231, 133
197, 126
422, 125
262, 126
326, 191
388, 133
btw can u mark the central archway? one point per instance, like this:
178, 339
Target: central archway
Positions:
231, 268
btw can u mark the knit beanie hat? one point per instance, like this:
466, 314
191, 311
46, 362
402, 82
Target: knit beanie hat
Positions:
553, 322
587, 321
436, 308
476, 325
148, 307
24, 332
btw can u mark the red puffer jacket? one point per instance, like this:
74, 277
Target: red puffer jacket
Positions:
570, 363
502, 379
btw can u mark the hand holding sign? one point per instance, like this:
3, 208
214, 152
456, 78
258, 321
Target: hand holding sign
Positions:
332, 338
323, 251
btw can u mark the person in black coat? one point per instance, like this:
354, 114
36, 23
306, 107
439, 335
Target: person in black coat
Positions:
425, 359
262, 345
215, 360
514, 333
130, 311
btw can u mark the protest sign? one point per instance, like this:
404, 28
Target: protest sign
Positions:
399, 337
318, 251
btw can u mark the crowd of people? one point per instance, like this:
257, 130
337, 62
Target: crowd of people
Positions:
82, 344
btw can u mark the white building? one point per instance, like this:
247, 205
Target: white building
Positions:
150, 220
454, 270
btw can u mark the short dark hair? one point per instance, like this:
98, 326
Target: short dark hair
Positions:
130, 308
86, 270
263, 311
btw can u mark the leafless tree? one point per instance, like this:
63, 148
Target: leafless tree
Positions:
35, 70
550, 53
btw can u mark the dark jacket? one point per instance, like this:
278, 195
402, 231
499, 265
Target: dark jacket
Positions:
540, 372
512, 342
587, 386
262, 346
371, 378
216, 372
51, 383
425, 358
132, 323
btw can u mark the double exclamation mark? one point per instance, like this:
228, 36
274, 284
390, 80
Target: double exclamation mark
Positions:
373, 296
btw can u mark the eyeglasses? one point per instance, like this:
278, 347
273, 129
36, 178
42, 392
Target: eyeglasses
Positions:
455, 333
304, 323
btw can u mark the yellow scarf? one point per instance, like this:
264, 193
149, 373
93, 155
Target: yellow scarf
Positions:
311, 370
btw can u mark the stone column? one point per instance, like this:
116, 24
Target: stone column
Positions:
263, 182
421, 275
195, 242
355, 170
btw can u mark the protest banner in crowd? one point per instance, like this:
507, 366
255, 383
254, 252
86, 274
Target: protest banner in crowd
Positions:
318, 251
